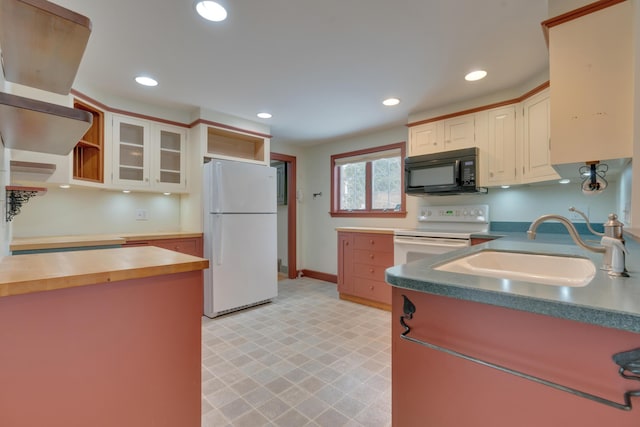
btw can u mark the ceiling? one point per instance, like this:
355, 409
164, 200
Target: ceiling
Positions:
322, 68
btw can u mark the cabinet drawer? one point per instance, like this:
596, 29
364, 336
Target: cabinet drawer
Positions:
367, 271
378, 242
373, 290
373, 257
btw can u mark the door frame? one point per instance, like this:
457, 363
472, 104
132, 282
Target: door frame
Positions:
290, 161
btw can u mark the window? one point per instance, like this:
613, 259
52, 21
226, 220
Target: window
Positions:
369, 182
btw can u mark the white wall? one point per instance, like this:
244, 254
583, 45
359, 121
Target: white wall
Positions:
79, 211
317, 227
283, 241
522, 204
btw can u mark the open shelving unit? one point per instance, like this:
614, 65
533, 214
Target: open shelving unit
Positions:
88, 154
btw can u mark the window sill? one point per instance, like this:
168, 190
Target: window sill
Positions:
369, 214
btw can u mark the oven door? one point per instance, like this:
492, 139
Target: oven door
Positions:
412, 248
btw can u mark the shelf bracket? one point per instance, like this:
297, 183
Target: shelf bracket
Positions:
18, 196
628, 361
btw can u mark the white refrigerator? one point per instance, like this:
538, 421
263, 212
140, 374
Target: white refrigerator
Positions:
240, 236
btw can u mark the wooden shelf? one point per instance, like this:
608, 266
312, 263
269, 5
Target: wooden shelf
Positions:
88, 154
87, 144
42, 43
32, 125
235, 145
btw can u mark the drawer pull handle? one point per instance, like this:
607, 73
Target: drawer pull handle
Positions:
371, 241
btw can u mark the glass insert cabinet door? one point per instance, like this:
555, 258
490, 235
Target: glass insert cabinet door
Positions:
131, 151
171, 157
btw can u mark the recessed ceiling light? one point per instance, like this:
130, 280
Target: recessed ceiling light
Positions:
146, 81
126, 191
390, 102
564, 181
167, 194
65, 186
475, 75
211, 11
264, 115
505, 186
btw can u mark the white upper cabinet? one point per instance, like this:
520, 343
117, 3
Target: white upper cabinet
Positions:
426, 138
459, 132
442, 135
501, 146
536, 139
131, 145
148, 156
591, 69
169, 157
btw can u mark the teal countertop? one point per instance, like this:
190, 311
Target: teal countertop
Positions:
605, 301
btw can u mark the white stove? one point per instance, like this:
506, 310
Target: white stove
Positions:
440, 229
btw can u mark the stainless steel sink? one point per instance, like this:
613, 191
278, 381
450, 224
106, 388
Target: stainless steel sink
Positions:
558, 270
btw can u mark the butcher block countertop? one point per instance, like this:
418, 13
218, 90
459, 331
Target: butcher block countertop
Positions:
23, 274
88, 240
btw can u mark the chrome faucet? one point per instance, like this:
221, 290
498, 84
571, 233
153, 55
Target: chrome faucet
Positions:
612, 242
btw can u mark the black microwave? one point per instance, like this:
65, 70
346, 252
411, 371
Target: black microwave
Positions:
447, 172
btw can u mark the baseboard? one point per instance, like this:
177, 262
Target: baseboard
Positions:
364, 301
333, 278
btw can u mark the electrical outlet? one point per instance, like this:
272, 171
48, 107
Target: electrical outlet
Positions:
574, 216
142, 215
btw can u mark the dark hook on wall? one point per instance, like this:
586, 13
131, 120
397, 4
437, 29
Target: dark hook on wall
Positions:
317, 194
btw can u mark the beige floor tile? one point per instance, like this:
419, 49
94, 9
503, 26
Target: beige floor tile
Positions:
306, 359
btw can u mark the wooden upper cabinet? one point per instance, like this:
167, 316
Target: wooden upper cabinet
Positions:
88, 154
591, 69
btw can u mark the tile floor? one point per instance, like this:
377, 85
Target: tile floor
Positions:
306, 359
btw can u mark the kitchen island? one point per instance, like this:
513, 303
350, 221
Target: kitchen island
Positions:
102, 338
461, 327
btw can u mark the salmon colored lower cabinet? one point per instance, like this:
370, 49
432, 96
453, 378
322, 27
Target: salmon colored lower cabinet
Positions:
125, 353
433, 388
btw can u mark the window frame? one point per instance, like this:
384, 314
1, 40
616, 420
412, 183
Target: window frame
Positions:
368, 212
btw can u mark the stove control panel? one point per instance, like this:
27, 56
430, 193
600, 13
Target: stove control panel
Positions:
466, 213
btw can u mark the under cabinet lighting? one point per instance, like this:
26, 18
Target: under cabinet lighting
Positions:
564, 181
126, 191
211, 11
167, 194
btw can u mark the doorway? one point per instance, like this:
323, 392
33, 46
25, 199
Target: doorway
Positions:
290, 200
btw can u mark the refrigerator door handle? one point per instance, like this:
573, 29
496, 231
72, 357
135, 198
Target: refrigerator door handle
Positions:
218, 186
217, 238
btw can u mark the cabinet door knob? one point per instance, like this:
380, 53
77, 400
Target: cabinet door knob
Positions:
371, 270
371, 256
371, 241
346, 243
371, 287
